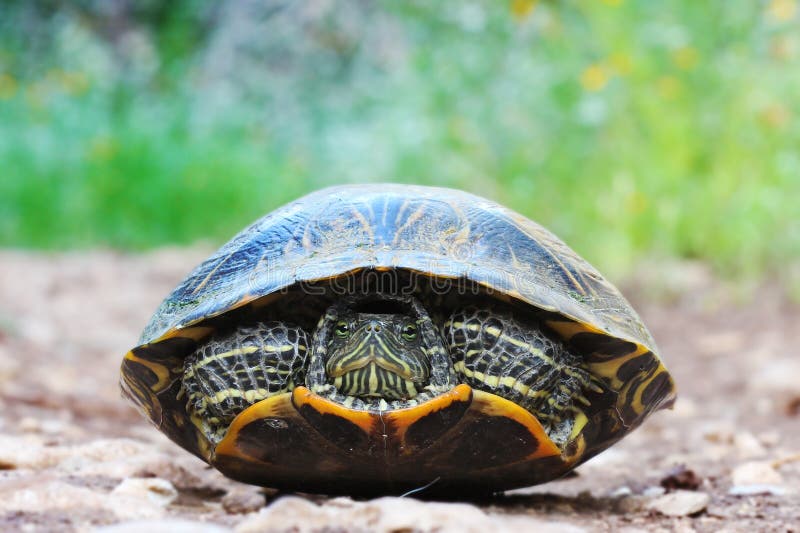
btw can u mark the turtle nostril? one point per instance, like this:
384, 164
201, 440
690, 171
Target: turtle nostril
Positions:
374, 326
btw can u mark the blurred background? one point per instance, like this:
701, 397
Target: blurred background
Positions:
660, 140
637, 131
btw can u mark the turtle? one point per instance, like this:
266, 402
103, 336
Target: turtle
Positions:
384, 338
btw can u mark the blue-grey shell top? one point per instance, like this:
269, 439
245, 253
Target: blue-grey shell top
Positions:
437, 231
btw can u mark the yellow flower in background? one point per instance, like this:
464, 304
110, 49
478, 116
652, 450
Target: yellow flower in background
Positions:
595, 77
522, 8
621, 63
74, 82
782, 9
668, 87
102, 148
783, 47
70, 82
36, 94
775, 116
8, 86
685, 57
636, 202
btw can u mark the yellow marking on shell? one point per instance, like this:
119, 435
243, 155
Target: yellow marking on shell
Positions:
576, 284
160, 371
302, 396
195, 333
503, 291
213, 271
579, 423
306, 240
364, 224
404, 418
412, 218
494, 405
636, 402
263, 301
568, 329
457, 238
608, 369
515, 262
400, 211
437, 276
277, 406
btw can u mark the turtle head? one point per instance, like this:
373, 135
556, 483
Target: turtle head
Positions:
379, 355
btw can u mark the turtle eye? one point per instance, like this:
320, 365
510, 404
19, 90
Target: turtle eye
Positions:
342, 329
409, 332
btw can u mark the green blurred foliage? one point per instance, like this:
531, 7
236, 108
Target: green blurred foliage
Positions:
629, 128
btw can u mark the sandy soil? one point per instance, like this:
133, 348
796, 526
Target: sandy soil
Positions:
75, 456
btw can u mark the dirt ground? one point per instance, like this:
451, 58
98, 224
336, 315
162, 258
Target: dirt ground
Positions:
75, 456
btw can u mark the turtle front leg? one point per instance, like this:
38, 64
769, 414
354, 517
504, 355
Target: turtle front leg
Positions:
232, 372
495, 352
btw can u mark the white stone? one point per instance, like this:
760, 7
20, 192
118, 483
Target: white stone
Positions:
390, 515
152, 489
621, 491
748, 446
680, 503
167, 525
45, 495
654, 491
756, 473
243, 499
751, 490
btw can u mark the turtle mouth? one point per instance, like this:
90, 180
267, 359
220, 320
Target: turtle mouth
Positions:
374, 378
376, 359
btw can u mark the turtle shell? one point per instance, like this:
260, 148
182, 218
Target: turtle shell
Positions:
301, 441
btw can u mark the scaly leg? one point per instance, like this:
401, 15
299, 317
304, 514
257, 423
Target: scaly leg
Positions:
232, 372
495, 352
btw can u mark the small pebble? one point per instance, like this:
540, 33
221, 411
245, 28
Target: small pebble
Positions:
769, 438
167, 525
621, 491
652, 492
29, 425
154, 490
631, 504
390, 515
241, 500
680, 503
681, 477
756, 473
793, 406
754, 490
748, 446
